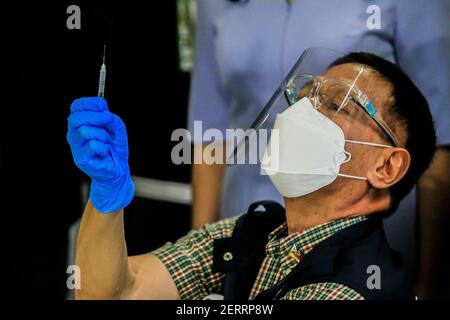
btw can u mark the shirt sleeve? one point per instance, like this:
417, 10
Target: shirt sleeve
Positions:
323, 291
207, 100
189, 260
422, 42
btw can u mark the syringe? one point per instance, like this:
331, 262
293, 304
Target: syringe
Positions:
102, 77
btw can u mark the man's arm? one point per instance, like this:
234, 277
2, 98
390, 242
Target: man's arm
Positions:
99, 145
207, 182
106, 270
434, 214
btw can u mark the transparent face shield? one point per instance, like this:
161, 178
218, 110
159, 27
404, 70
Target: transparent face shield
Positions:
349, 94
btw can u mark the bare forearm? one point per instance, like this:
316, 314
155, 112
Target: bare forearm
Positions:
102, 255
206, 189
434, 203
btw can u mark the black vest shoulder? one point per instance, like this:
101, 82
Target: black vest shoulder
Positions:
349, 257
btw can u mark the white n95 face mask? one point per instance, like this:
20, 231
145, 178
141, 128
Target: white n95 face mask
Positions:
307, 152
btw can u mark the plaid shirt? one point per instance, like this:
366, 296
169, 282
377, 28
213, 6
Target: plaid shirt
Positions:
190, 260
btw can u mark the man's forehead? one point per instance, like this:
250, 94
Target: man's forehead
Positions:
351, 71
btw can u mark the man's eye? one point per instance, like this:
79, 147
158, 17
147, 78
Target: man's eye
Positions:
335, 107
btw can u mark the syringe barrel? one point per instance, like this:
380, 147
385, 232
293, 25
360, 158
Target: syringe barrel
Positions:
101, 83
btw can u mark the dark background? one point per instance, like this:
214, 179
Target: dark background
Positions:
45, 66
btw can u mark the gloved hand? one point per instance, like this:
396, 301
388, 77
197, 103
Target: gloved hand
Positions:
99, 144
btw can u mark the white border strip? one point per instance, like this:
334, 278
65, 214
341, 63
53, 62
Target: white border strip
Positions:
175, 192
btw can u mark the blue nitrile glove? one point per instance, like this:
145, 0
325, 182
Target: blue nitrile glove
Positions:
99, 144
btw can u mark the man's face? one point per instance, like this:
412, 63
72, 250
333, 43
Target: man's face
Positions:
357, 124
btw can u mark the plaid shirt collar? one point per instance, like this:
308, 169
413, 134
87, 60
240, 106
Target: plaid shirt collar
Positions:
291, 248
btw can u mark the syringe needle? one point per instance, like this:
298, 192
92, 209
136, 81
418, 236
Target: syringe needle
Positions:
102, 77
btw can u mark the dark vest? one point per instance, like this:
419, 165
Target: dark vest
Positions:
348, 257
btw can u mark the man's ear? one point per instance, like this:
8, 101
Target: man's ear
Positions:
391, 166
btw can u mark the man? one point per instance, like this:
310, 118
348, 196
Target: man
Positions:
224, 94
376, 139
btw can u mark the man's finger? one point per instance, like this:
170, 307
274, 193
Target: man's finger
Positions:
85, 133
91, 150
89, 118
